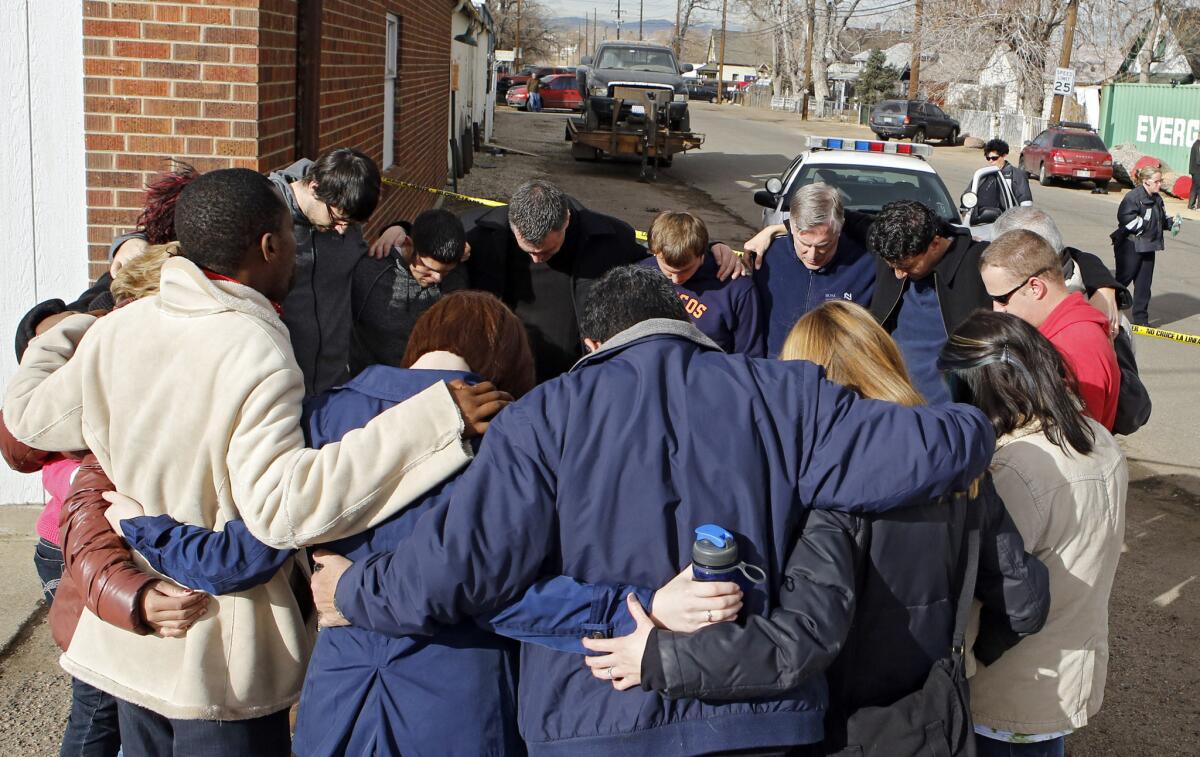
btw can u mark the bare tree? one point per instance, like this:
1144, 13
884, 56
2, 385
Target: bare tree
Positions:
685, 10
538, 39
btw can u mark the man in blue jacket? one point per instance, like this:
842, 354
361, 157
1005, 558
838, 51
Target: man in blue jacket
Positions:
603, 473
816, 261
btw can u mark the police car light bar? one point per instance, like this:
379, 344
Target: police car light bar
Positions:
870, 145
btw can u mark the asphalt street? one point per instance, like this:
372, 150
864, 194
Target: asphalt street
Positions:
744, 147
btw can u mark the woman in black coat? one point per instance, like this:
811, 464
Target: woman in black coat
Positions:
1141, 220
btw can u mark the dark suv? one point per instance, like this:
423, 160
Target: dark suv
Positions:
698, 89
917, 120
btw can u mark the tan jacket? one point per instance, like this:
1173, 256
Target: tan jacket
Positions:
1070, 510
191, 402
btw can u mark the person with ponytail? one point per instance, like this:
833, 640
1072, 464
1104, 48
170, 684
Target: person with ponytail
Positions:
1064, 481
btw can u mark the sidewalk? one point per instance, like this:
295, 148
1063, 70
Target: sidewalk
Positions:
21, 590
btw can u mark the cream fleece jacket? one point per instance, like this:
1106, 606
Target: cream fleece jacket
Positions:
1070, 510
191, 400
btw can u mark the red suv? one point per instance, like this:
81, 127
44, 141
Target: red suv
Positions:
1073, 152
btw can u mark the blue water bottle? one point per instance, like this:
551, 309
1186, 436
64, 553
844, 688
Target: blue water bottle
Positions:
715, 558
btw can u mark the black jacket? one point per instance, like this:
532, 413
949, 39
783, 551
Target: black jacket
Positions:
898, 573
960, 288
1141, 219
595, 244
1096, 275
1194, 160
95, 297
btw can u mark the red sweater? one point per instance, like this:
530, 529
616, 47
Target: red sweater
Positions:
1080, 333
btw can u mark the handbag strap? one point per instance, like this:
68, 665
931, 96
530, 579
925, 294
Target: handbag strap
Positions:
970, 570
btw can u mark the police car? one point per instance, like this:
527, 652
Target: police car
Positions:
870, 174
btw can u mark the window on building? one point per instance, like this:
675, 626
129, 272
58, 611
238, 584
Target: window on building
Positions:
391, 68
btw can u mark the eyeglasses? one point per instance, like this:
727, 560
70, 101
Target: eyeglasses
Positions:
336, 218
1002, 299
990, 158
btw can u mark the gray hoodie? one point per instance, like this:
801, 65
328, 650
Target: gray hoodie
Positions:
318, 310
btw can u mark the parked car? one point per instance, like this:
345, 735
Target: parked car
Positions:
917, 120
699, 89
558, 91
869, 174
521, 77
1069, 151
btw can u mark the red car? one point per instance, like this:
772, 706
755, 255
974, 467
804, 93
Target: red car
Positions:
1067, 151
558, 91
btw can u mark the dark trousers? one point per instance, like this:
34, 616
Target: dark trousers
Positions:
148, 734
1136, 267
1194, 196
985, 747
92, 723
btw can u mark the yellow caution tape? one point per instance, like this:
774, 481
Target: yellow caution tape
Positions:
1174, 336
443, 192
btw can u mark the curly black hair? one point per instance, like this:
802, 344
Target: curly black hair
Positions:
902, 229
222, 214
999, 146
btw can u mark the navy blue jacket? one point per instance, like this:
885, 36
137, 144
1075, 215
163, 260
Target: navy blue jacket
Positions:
727, 312
603, 474
367, 693
788, 290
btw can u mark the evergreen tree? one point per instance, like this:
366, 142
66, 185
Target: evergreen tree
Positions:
877, 81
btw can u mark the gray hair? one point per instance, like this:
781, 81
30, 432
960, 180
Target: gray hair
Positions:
817, 204
1032, 219
1145, 172
536, 209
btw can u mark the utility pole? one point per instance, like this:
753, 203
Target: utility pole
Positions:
517, 51
1064, 60
641, 14
808, 54
595, 23
618, 19
914, 68
721, 60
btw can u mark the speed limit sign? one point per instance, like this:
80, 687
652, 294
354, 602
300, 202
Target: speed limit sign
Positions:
1064, 81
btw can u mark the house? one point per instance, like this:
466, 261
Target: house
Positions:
102, 94
747, 56
472, 75
1175, 56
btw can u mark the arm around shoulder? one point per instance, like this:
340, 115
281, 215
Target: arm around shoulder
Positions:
44, 402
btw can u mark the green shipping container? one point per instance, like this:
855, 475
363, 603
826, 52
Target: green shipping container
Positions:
1159, 119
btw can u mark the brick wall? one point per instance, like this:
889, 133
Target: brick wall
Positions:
213, 82
352, 67
161, 80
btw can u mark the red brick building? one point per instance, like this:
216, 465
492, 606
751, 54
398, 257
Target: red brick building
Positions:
259, 84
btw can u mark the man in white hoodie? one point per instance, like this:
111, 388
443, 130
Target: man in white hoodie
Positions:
191, 401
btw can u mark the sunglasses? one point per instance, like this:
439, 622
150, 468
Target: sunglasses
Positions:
1003, 299
990, 158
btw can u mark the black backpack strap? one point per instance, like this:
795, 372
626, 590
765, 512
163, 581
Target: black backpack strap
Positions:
970, 569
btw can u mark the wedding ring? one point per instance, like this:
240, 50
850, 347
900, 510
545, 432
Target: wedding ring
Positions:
710, 616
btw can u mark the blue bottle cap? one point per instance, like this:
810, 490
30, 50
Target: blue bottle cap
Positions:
714, 535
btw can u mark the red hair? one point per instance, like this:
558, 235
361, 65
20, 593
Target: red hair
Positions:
480, 329
157, 220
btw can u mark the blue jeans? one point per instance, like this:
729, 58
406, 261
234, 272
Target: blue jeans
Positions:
92, 723
535, 101
148, 734
985, 747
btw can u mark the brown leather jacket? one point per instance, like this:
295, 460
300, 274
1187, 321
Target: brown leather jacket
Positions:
20, 457
98, 570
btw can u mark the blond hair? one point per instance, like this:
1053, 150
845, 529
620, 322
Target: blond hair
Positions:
139, 277
678, 237
1023, 253
854, 350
